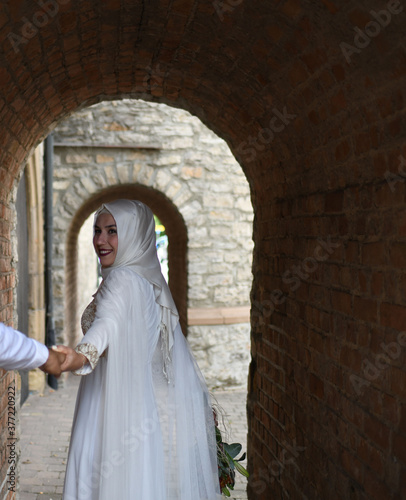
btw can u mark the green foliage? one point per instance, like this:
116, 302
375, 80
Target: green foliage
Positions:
228, 463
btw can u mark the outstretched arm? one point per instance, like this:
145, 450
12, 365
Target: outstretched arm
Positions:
18, 352
73, 361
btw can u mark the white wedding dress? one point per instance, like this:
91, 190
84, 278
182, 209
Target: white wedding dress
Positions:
135, 435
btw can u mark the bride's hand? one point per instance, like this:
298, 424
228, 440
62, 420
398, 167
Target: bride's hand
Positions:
73, 360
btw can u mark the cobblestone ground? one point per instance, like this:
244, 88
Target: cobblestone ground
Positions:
45, 422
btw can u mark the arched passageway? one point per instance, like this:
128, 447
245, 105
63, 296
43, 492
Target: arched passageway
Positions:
167, 150
310, 99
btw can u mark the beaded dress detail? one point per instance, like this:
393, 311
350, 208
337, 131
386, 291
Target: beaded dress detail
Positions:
88, 316
88, 350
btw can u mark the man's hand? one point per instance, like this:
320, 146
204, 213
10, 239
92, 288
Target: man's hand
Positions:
54, 363
73, 361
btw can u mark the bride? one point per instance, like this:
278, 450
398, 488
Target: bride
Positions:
143, 426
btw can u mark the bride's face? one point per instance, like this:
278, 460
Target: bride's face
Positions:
105, 239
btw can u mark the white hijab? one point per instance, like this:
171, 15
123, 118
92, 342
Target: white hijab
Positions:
137, 251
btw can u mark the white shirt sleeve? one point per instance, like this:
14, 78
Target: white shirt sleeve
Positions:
18, 352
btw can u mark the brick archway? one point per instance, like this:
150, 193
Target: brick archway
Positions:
177, 250
311, 99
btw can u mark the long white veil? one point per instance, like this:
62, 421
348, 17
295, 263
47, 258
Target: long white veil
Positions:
145, 437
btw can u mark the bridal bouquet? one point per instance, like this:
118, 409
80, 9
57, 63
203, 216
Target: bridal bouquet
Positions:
227, 461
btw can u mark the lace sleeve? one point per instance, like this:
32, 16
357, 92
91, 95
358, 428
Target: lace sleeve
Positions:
90, 351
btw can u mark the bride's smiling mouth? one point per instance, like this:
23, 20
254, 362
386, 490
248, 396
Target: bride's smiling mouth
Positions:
105, 239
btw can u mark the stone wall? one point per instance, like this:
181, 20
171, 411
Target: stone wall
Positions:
124, 142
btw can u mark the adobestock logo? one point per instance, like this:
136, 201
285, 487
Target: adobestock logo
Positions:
293, 277
260, 479
226, 6
49, 9
152, 80
372, 370
372, 29
392, 178
249, 149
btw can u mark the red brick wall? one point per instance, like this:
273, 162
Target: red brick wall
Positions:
327, 395
316, 125
9, 391
327, 401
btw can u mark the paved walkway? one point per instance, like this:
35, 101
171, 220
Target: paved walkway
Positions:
45, 422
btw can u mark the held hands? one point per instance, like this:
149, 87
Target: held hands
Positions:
73, 360
53, 365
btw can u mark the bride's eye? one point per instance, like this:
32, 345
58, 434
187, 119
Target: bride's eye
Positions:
112, 231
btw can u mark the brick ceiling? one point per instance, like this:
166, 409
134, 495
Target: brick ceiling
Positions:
231, 63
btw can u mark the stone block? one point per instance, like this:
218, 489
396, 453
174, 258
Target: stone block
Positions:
197, 294
77, 158
135, 171
180, 143
135, 155
61, 185
221, 215
192, 172
123, 173
99, 179
147, 176
218, 280
195, 280
211, 200
89, 185
173, 189
111, 175
242, 229
244, 204
166, 159
104, 158
182, 197
190, 211
231, 295
219, 231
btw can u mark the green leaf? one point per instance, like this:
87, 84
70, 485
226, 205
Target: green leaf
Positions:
225, 468
230, 461
226, 492
232, 449
241, 469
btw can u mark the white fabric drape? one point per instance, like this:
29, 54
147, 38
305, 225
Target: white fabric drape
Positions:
136, 435
137, 251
